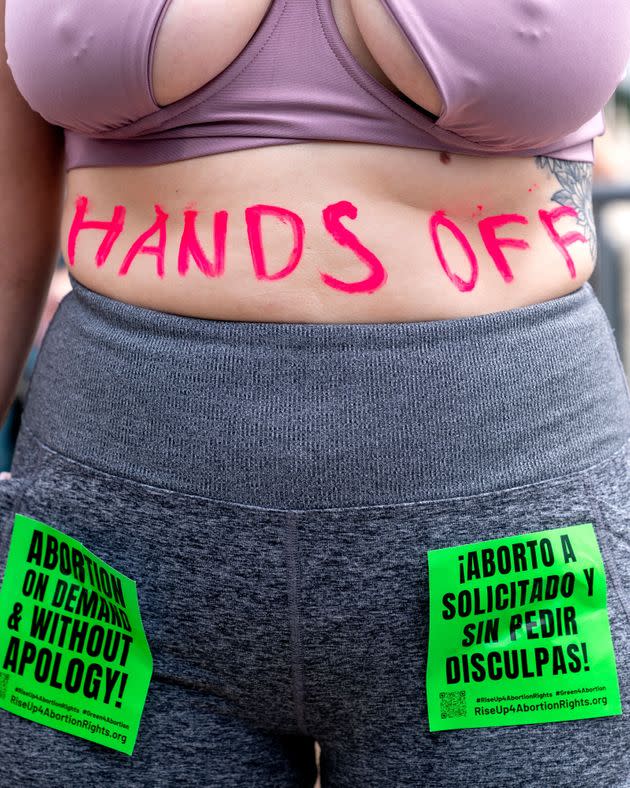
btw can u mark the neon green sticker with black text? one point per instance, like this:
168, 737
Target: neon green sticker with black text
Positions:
73, 651
519, 632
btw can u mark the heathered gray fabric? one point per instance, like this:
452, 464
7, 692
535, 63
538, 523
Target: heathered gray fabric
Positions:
318, 415
274, 489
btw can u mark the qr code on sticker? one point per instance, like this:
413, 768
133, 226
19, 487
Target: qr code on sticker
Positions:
4, 683
452, 704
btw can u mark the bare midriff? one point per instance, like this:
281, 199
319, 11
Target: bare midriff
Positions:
332, 232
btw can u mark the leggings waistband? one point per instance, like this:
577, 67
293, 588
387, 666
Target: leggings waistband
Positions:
330, 415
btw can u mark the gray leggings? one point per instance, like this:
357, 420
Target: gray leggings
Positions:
273, 488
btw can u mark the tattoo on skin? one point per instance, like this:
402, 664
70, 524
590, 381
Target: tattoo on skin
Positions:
576, 182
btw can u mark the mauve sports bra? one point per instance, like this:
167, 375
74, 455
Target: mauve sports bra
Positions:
517, 77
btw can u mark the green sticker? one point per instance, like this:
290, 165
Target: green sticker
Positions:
519, 632
73, 652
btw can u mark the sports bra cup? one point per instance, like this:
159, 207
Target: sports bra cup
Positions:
514, 93
132, 74
60, 73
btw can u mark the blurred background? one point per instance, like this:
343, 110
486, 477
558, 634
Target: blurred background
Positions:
610, 279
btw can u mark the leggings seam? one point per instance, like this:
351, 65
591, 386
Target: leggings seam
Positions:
297, 659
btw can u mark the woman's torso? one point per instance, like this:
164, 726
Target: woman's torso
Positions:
389, 233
